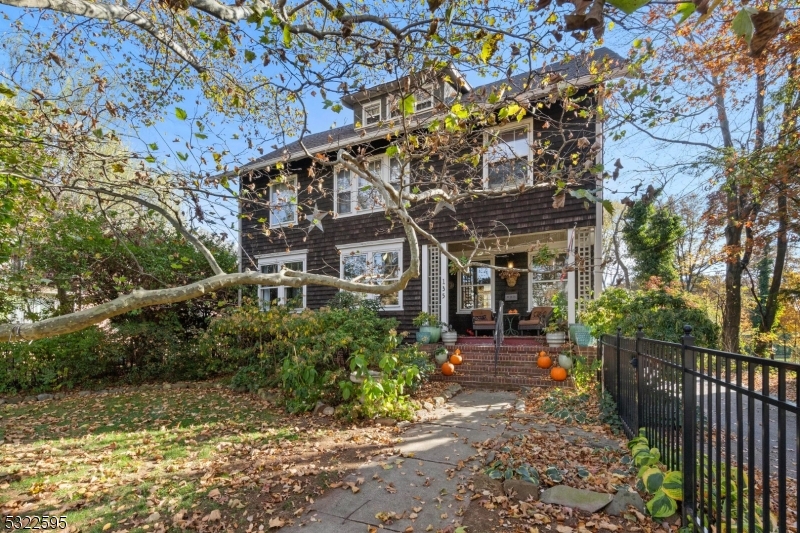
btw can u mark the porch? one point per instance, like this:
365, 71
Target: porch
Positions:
557, 263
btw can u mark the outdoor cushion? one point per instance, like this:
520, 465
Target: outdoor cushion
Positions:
534, 321
483, 322
481, 314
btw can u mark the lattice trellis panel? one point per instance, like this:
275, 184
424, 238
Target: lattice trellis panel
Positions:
584, 261
434, 281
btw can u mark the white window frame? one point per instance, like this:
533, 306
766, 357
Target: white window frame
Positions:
558, 251
281, 259
497, 131
385, 176
291, 181
461, 310
426, 90
387, 245
374, 103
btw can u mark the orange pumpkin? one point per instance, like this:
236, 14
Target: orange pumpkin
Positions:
544, 361
542, 353
457, 352
558, 374
448, 369
456, 359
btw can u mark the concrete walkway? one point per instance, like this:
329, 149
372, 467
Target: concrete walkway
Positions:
420, 485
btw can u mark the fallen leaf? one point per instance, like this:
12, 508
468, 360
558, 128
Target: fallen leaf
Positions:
276, 523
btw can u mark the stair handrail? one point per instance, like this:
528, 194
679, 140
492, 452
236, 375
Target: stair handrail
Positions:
498, 335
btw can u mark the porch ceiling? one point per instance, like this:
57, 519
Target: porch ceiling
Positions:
515, 243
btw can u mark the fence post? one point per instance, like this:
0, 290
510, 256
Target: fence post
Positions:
618, 358
688, 442
639, 381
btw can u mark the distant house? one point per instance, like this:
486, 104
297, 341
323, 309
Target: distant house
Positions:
357, 237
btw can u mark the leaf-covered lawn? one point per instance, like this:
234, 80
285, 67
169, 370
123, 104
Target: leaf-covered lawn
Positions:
156, 460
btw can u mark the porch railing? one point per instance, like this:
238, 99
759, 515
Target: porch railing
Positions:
729, 422
498, 335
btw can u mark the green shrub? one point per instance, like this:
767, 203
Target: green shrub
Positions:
662, 311
311, 355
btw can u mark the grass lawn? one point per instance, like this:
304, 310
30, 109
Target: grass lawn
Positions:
171, 460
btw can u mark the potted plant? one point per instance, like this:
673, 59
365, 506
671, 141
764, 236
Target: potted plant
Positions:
441, 356
565, 358
580, 335
556, 330
556, 333
449, 337
428, 324
510, 276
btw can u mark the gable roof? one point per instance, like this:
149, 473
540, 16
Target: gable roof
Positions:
575, 71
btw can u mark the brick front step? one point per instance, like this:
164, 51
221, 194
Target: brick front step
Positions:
501, 381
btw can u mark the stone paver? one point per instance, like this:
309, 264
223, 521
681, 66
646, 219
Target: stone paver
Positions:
426, 475
585, 500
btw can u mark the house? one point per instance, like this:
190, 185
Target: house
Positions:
355, 240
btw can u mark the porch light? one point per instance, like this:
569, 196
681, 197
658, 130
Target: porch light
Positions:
511, 264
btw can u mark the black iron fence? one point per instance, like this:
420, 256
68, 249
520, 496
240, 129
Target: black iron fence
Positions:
729, 422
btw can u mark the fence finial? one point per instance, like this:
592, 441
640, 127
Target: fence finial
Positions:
687, 329
640, 327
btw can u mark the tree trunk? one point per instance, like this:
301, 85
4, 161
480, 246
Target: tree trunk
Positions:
732, 311
771, 308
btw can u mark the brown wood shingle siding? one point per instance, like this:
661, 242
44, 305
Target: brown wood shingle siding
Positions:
530, 212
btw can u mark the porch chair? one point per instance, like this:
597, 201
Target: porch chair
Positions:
482, 320
537, 320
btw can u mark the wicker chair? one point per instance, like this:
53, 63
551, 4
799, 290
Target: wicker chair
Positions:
482, 320
537, 320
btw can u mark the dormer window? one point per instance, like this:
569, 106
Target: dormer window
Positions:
372, 113
423, 101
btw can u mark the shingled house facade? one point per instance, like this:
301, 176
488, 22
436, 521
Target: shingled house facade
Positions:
355, 235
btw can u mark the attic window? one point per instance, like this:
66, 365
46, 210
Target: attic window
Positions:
423, 101
372, 113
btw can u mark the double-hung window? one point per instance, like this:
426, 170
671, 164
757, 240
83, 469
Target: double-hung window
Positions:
423, 101
475, 288
356, 195
398, 173
508, 157
282, 295
376, 263
371, 114
283, 202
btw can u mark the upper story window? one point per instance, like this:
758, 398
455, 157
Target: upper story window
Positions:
355, 195
374, 263
423, 101
372, 114
283, 202
507, 160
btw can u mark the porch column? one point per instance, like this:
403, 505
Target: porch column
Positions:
444, 308
571, 276
425, 274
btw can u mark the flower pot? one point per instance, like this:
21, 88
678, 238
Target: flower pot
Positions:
555, 339
433, 332
579, 334
449, 338
441, 357
565, 361
423, 337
